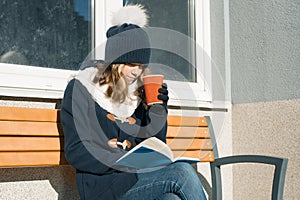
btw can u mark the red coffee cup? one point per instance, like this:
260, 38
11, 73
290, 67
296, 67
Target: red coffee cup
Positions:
151, 85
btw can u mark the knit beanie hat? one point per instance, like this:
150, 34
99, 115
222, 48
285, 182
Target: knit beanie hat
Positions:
127, 42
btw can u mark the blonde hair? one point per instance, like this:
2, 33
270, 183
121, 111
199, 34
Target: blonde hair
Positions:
117, 85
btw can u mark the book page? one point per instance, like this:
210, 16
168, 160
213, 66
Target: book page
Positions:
150, 153
155, 144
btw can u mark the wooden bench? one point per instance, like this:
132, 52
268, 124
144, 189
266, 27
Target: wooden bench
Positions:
34, 137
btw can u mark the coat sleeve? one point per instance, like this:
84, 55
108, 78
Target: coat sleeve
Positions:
82, 150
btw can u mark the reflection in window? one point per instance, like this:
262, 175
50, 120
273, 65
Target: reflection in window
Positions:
47, 33
176, 15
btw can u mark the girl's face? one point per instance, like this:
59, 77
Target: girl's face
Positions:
131, 71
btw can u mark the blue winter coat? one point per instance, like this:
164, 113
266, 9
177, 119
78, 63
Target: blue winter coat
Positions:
87, 130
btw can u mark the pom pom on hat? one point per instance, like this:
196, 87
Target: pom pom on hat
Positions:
127, 42
130, 14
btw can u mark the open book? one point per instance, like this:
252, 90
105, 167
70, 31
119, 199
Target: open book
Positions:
152, 152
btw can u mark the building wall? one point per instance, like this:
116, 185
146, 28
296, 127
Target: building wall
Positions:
264, 57
265, 46
266, 128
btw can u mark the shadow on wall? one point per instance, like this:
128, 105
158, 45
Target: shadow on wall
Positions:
29, 183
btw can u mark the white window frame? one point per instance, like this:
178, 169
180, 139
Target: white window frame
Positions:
201, 90
31, 81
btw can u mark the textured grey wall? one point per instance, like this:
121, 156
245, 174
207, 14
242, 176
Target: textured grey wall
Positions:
265, 50
266, 128
265, 86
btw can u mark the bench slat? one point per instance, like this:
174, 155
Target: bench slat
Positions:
186, 121
10, 143
188, 144
30, 128
204, 156
28, 114
13, 159
196, 132
34, 137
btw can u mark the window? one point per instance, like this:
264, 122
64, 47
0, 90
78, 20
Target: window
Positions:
44, 41
185, 26
47, 33
43, 33
175, 15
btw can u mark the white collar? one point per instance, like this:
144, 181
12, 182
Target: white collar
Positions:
120, 110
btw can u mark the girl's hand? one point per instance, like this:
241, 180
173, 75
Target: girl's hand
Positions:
164, 94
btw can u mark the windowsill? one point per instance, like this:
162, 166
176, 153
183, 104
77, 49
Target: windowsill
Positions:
29, 81
40, 82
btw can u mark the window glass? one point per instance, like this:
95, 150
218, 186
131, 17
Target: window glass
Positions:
46, 33
177, 15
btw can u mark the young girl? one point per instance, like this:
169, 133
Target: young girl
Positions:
104, 115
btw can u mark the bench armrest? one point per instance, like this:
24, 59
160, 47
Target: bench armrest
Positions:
279, 173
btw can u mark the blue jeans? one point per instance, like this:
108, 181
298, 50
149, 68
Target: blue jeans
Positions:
174, 182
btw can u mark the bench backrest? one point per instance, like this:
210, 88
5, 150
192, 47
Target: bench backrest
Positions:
34, 137
191, 137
